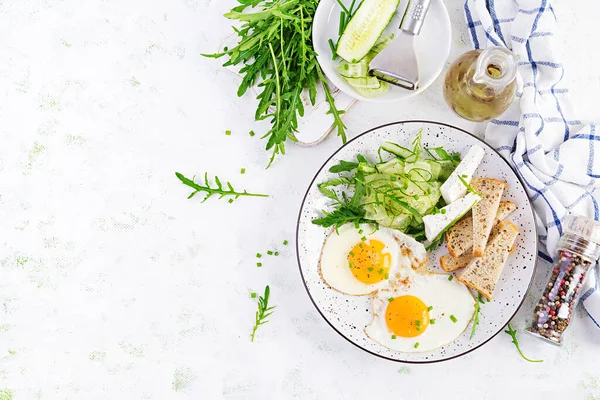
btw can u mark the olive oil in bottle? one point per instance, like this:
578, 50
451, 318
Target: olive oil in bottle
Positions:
481, 84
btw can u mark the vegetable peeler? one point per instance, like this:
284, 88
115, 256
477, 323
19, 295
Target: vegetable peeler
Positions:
397, 63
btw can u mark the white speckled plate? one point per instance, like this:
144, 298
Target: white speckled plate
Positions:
432, 47
348, 315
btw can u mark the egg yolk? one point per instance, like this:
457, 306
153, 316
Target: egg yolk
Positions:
407, 316
368, 263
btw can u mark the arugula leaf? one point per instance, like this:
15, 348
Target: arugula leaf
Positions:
476, 317
343, 166
218, 190
324, 187
343, 214
443, 155
264, 311
513, 334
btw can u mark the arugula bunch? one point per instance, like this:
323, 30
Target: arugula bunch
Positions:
275, 50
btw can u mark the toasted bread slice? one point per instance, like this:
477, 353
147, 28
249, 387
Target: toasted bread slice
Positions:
450, 263
484, 212
482, 273
459, 238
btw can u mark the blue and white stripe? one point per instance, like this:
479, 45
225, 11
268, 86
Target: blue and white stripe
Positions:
553, 152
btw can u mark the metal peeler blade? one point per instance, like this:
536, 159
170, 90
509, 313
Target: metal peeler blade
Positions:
397, 63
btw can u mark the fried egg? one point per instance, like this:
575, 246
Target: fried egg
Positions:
361, 260
425, 313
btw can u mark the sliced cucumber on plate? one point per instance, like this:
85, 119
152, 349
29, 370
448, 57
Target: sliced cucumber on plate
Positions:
357, 73
365, 28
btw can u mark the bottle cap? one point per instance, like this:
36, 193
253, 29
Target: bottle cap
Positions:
582, 226
581, 235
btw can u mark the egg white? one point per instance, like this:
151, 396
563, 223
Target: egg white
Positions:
446, 297
405, 252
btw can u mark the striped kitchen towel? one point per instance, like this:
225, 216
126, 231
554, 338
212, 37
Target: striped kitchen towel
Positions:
556, 155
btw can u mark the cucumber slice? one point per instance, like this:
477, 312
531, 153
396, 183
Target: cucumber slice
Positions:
396, 149
364, 83
435, 168
354, 70
365, 27
379, 46
367, 92
392, 167
379, 214
366, 168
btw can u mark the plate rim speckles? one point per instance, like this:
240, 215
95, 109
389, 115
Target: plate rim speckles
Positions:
530, 243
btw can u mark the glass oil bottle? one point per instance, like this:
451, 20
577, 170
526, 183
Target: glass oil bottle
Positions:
481, 84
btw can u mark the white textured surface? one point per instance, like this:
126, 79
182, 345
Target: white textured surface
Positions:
112, 285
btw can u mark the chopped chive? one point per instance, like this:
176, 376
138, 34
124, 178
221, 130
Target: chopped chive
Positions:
393, 336
387, 276
416, 345
370, 269
360, 231
453, 318
270, 252
251, 133
258, 255
360, 246
276, 253
417, 322
285, 242
364, 239
465, 175
418, 329
351, 254
416, 197
390, 299
252, 295
341, 25
380, 271
230, 201
259, 264
243, 171
351, 265
432, 322
450, 277
228, 132
429, 308
443, 211
333, 49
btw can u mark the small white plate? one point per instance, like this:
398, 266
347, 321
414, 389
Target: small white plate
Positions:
348, 315
432, 46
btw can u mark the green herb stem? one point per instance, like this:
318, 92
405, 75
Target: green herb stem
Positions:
219, 190
264, 311
513, 334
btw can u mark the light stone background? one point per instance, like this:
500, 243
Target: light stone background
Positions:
114, 286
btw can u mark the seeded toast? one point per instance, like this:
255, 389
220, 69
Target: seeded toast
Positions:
450, 263
482, 273
459, 238
484, 212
